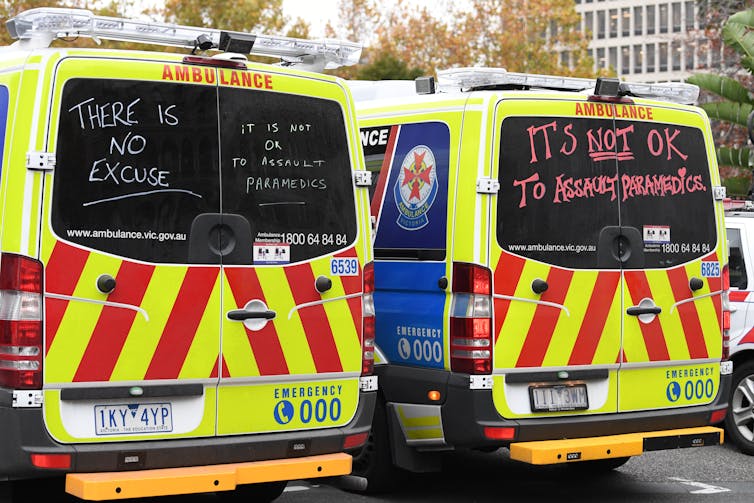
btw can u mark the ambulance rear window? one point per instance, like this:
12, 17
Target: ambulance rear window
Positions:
570, 185
286, 169
136, 162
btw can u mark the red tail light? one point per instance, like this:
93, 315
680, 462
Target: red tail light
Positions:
20, 322
471, 320
367, 306
726, 312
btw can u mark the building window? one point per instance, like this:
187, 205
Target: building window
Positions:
663, 13
612, 56
613, 23
638, 20
638, 58
650, 54
716, 56
690, 15
650, 19
689, 53
662, 48
676, 17
601, 57
676, 54
702, 51
589, 24
625, 60
625, 21
600, 24
565, 59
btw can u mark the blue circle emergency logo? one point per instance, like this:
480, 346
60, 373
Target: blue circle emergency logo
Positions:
283, 412
673, 391
416, 188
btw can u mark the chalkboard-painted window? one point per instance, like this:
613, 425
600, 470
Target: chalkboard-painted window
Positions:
286, 170
136, 163
571, 186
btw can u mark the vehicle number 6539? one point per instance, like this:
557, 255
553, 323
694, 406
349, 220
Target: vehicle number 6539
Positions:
344, 266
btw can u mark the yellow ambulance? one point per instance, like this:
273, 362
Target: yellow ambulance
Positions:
550, 270
185, 275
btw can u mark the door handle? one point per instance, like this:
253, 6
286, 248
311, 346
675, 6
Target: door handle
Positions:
243, 314
639, 310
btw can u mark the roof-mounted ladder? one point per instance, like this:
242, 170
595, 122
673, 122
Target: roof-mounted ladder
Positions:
37, 28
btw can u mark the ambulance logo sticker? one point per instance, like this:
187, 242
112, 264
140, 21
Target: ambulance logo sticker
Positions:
416, 188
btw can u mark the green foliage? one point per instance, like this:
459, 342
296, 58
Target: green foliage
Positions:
388, 67
736, 102
738, 157
726, 87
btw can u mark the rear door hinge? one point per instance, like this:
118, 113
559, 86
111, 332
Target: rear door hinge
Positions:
362, 178
487, 186
40, 161
719, 192
27, 398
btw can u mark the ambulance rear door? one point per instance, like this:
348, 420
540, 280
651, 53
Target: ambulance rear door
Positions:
132, 315
673, 238
291, 318
557, 296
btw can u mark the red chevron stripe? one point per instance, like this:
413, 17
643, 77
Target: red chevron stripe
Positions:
114, 324
379, 191
638, 287
545, 318
314, 319
352, 285
62, 274
265, 343
596, 315
748, 338
507, 275
183, 322
738, 295
692, 327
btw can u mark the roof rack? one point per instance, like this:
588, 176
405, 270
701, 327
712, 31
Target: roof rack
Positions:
470, 79
37, 28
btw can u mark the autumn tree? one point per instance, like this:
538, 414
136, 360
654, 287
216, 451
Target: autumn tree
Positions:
519, 35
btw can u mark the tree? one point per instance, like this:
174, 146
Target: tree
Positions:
387, 66
519, 35
733, 103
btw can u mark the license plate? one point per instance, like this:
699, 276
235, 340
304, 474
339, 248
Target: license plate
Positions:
125, 419
558, 397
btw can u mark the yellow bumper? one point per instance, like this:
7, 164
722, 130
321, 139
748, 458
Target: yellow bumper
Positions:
549, 452
200, 479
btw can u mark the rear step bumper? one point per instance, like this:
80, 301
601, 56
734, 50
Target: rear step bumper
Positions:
547, 452
201, 479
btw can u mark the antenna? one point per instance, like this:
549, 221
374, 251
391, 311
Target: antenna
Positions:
37, 28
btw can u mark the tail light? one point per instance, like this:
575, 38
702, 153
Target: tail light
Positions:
726, 312
367, 306
471, 320
20, 322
